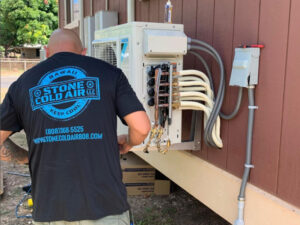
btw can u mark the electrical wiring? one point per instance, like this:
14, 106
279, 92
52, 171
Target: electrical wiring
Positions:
236, 108
206, 67
191, 90
20, 203
220, 95
240, 93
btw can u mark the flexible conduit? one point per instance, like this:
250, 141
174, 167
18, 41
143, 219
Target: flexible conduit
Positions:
221, 90
240, 93
216, 111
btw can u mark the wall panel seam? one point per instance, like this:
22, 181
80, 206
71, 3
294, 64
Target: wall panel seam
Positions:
213, 30
230, 89
283, 96
258, 25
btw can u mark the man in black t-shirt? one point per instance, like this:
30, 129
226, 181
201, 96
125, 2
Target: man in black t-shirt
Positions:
68, 106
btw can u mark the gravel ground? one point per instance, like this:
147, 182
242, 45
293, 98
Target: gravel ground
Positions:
178, 208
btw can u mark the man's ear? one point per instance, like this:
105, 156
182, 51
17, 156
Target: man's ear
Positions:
47, 51
83, 51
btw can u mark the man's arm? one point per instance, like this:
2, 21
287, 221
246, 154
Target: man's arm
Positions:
138, 129
13, 153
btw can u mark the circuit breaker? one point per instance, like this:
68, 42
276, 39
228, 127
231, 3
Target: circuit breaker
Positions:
245, 67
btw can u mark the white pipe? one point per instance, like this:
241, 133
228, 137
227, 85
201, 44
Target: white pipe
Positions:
197, 96
198, 106
240, 219
197, 83
194, 72
130, 11
192, 89
191, 78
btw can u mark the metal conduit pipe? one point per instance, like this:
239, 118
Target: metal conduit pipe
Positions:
236, 108
206, 67
248, 165
130, 11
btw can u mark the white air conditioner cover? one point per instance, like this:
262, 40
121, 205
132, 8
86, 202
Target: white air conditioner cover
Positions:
124, 46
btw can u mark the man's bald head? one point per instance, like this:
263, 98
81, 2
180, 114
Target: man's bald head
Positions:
63, 40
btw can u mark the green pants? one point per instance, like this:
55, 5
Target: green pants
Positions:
122, 219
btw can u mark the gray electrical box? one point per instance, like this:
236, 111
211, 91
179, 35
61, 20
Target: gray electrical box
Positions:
105, 19
245, 67
89, 30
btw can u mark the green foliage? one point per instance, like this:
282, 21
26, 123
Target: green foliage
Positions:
27, 21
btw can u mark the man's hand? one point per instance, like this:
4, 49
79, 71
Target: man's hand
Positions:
138, 127
124, 147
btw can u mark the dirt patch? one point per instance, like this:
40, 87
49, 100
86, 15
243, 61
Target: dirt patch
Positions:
12, 73
178, 208
13, 194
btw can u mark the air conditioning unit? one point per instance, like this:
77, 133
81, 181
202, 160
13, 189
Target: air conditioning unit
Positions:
105, 19
89, 29
138, 49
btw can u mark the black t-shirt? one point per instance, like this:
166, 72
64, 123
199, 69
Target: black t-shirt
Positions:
68, 106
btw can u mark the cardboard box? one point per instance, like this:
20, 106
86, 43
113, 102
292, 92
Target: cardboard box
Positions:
136, 170
158, 187
139, 177
162, 187
140, 188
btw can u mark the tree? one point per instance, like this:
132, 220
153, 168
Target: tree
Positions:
26, 22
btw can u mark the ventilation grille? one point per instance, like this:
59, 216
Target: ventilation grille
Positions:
106, 51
